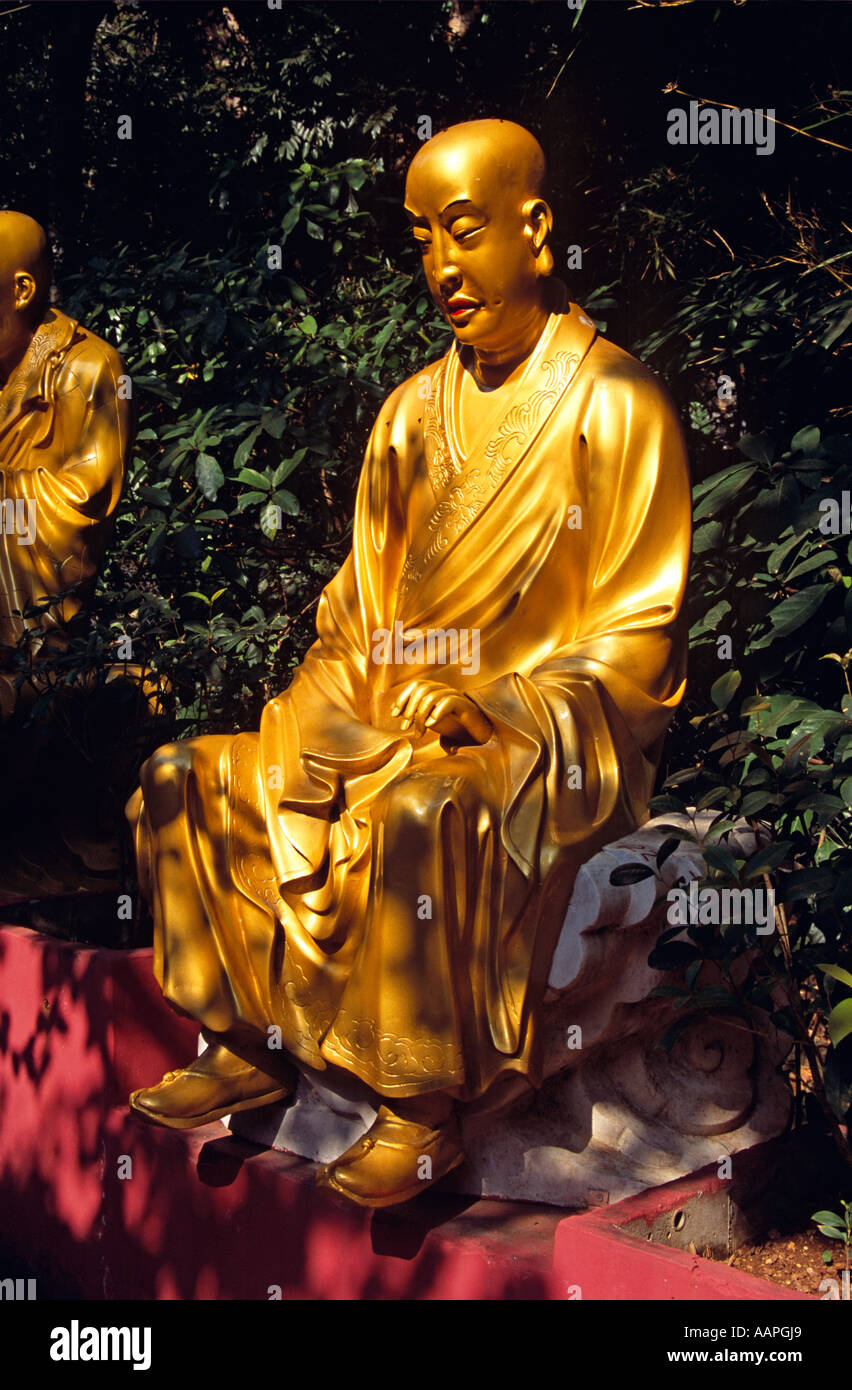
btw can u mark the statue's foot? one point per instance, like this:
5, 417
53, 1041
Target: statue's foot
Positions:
396, 1160
217, 1083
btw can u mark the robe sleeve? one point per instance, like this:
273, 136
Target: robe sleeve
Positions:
579, 737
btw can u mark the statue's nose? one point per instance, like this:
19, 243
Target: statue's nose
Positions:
445, 270
448, 277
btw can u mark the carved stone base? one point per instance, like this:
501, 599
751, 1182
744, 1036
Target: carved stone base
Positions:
617, 1114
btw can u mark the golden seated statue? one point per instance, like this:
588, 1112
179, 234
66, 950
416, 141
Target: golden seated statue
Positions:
375, 880
66, 427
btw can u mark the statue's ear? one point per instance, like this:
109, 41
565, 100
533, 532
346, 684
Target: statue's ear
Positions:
539, 225
25, 289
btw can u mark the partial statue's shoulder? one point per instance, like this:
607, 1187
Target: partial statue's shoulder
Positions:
425, 374
97, 352
406, 400
85, 358
613, 369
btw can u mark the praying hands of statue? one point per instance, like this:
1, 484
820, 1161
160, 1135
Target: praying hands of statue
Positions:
429, 706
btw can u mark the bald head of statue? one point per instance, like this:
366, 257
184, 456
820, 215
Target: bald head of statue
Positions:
474, 198
25, 276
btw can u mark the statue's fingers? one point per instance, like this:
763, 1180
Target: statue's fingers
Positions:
475, 722
419, 704
441, 709
448, 727
405, 696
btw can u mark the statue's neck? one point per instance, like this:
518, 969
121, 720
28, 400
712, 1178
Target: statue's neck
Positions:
490, 368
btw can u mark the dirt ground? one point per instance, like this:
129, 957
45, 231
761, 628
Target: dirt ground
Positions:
795, 1260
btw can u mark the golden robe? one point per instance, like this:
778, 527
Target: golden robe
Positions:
387, 902
64, 440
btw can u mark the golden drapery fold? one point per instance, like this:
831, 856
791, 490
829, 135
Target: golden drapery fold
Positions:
391, 904
65, 433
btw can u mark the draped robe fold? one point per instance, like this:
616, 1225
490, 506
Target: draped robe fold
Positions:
388, 902
65, 435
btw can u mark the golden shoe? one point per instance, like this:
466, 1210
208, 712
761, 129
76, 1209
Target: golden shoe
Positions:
217, 1083
394, 1161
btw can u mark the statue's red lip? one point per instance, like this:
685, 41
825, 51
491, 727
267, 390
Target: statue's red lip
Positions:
459, 305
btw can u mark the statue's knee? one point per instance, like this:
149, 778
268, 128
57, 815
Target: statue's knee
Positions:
420, 798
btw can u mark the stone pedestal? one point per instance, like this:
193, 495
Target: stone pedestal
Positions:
616, 1113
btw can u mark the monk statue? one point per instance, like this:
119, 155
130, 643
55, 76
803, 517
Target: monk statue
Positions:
65, 434
65, 437
374, 883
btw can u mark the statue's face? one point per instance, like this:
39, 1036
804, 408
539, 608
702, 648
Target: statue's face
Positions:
10, 319
474, 230
17, 289
24, 269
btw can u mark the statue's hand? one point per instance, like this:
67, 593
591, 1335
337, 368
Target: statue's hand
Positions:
428, 705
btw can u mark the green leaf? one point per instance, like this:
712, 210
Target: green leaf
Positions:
726, 486
757, 446
627, 874
667, 848
754, 802
155, 542
286, 501
767, 858
672, 955
208, 475
269, 521
659, 805
355, 176
832, 1232
291, 219
806, 440
826, 1217
780, 553
685, 774
718, 857
840, 1021
723, 690
816, 561
287, 466
837, 973
243, 452
274, 422
792, 612
251, 475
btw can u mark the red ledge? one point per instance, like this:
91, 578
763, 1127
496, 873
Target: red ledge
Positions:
613, 1263
103, 1206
